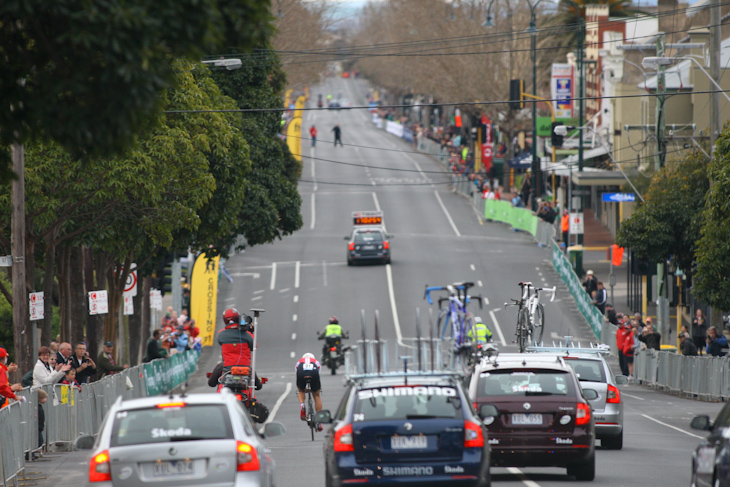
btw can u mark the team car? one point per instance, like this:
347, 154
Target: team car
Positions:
535, 412
711, 458
414, 430
201, 439
368, 241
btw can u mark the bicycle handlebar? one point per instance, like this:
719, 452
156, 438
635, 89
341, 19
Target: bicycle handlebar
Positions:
461, 286
548, 289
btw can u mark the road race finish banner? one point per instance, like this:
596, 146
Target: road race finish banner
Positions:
562, 84
204, 296
584, 302
519, 218
163, 375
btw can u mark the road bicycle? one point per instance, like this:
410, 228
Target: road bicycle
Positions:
455, 322
536, 311
530, 315
310, 412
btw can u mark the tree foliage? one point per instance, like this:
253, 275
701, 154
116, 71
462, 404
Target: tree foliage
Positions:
667, 224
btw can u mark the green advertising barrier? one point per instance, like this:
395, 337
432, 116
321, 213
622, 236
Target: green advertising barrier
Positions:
583, 301
519, 218
163, 375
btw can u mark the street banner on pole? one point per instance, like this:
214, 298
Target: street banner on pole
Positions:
562, 85
204, 296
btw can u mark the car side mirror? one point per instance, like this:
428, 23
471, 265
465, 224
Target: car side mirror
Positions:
274, 429
590, 394
621, 380
701, 422
323, 417
84, 442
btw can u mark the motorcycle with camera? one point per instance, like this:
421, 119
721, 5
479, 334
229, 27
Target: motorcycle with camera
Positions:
334, 355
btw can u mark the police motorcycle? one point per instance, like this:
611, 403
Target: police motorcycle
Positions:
334, 352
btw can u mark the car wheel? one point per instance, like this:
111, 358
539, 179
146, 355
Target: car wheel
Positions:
585, 470
349, 261
387, 261
614, 442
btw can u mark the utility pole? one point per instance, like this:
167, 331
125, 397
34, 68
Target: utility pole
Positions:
21, 320
715, 41
660, 156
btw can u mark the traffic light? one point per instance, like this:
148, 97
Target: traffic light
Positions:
555, 139
516, 100
162, 275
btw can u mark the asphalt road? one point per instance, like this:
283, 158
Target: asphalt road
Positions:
303, 279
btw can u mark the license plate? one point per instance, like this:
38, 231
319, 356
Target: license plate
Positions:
368, 247
522, 418
408, 442
333, 354
172, 468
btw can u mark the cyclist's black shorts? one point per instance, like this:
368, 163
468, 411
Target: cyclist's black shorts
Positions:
301, 379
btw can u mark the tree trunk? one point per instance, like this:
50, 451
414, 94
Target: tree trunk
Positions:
63, 292
48, 281
92, 321
78, 300
135, 327
146, 312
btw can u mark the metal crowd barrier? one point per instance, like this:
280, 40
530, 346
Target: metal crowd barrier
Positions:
69, 413
705, 378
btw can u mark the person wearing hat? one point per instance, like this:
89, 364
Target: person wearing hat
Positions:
590, 283
182, 338
105, 361
686, 345
611, 315
7, 391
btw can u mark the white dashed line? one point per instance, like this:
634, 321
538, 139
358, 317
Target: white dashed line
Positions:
256, 298
375, 199
273, 276
259, 291
389, 275
293, 336
523, 478
473, 267
314, 213
296, 274
294, 318
296, 298
479, 283
286, 289
292, 355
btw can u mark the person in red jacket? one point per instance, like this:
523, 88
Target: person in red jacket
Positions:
313, 134
629, 343
621, 332
7, 391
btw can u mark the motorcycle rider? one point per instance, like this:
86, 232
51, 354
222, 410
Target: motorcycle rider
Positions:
330, 333
481, 333
308, 366
236, 341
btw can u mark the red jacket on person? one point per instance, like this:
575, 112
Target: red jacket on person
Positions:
236, 345
621, 333
5, 389
629, 343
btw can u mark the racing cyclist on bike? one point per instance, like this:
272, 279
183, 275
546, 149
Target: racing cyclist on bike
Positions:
308, 366
334, 330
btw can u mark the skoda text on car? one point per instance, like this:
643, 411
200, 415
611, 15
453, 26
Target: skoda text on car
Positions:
201, 439
405, 430
535, 412
368, 241
711, 458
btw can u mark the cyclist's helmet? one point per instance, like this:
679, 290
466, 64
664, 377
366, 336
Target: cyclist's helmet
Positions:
231, 316
334, 320
310, 356
478, 320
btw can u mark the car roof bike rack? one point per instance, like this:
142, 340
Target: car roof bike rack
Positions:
571, 347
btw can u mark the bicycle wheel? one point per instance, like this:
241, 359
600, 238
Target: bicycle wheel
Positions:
523, 327
310, 414
539, 324
443, 324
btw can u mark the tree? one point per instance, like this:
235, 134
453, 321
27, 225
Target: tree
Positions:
88, 75
667, 224
712, 278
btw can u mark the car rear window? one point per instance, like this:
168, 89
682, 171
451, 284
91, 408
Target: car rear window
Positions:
407, 402
587, 370
374, 236
169, 424
536, 382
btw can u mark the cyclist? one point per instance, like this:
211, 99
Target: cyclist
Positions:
483, 333
330, 333
308, 366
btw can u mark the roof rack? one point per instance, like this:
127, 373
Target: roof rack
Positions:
569, 347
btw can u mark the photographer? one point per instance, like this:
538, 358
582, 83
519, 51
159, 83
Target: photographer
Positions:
652, 339
85, 367
716, 343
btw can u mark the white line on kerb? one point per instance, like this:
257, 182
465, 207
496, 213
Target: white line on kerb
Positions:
673, 427
446, 212
314, 213
498, 328
273, 276
279, 402
296, 274
389, 275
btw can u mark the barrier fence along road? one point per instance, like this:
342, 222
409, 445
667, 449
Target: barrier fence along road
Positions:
70, 413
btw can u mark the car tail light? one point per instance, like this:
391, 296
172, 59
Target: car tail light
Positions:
386, 245
165, 405
582, 414
343, 439
351, 246
333, 349
473, 437
99, 469
613, 396
247, 457
475, 406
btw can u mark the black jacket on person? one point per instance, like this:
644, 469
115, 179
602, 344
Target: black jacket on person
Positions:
611, 315
688, 348
84, 376
153, 350
590, 285
653, 340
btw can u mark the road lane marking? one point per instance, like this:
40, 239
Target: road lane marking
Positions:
674, 427
479, 283
485, 300
446, 212
256, 298
278, 404
259, 291
389, 275
634, 397
375, 199
293, 336
473, 267
291, 355
498, 328
312, 159
324, 272
296, 274
296, 298
294, 318
286, 289
273, 276
519, 473
314, 213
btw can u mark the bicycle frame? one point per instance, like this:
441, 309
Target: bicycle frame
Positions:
458, 301
534, 300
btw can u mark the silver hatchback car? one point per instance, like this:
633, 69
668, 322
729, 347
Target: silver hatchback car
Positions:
200, 439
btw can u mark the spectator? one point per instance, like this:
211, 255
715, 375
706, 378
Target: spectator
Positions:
652, 339
154, 350
183, 318
64, 353
313, 135
517, 201
498, 193
105, 361
488, 194
686, 345
85, 367
600, 297
621, 333
338, 134
590, 283
716, 344
637, 317
699, 330
629, 347
565, 227
525, 188
181, 342
70, 379
492, 176
42, 398
54, 347
7, 391
43, 374
166, 342
611, 314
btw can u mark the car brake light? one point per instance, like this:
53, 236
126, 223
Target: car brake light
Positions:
386, 245
164, 405
333, 349
475, 406
239, 397
613, 396
351, 246
343, 439
473, 437
247, 457
582, 414
99, 470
